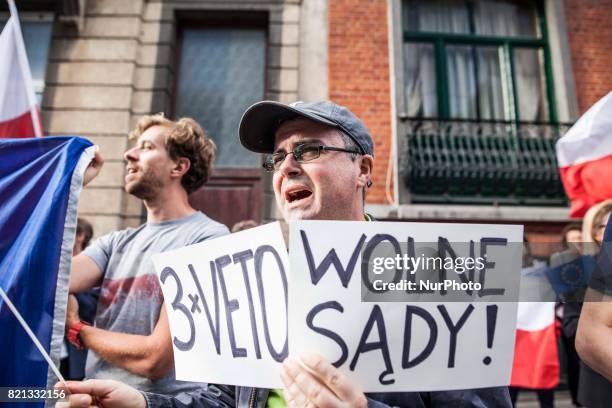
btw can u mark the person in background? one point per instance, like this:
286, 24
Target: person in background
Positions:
73, 365
244, 225
568, 312
87, 303
84, 234
571, 237
546, 396
594, 333
594, 225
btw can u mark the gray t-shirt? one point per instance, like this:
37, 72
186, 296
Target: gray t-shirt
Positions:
130, 296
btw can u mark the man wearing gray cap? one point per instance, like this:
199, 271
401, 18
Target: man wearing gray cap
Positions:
322, 157
320, 153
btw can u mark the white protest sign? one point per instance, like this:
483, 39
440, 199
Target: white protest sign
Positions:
226, 301
395, 345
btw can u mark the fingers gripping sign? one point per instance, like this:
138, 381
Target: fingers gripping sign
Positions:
314, 382
102, 393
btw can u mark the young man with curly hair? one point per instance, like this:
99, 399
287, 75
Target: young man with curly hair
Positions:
129, 338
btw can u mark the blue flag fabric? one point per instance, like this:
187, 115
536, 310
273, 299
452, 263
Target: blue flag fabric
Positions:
571, 276
608, 232
40, 181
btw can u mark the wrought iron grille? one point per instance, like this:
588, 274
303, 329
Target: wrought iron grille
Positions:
482, 162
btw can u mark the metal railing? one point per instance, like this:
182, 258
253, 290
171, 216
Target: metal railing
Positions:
481, 162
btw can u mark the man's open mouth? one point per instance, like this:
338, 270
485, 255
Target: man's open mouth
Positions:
296, 195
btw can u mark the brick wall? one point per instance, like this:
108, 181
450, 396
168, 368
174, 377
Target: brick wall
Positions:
590, 39
359, 74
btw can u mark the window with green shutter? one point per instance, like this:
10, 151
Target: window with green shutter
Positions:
479, 118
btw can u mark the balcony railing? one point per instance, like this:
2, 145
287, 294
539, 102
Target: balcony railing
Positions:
480, 162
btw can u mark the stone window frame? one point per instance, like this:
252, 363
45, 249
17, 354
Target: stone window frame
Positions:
190, 20
157, 47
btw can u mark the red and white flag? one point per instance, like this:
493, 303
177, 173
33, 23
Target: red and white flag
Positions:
584, 155
536, 360
18, 108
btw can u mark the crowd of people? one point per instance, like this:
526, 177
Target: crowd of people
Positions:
586, 387
321, 157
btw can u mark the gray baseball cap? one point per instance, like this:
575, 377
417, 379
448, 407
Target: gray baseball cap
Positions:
260, 121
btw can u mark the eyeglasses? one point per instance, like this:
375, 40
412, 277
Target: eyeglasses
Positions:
301, 153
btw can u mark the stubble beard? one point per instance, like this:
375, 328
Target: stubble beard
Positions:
145, 188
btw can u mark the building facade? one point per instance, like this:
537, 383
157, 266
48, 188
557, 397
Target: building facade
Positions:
464, 98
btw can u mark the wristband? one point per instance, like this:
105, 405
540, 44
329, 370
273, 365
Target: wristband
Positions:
74, 332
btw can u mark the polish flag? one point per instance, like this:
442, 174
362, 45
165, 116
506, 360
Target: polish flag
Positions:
18, 109
536, 360
584, 155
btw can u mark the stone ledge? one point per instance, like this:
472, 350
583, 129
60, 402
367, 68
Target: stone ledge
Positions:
112, 26
113, 7
87, 97
94, 73
92, 50
76, 122
468, 212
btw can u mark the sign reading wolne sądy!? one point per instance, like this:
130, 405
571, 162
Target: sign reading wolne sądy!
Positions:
227, 303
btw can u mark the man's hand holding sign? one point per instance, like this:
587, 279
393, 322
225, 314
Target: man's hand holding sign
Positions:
312, 380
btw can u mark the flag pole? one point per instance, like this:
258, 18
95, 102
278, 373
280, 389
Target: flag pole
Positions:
25, 69
30, 333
